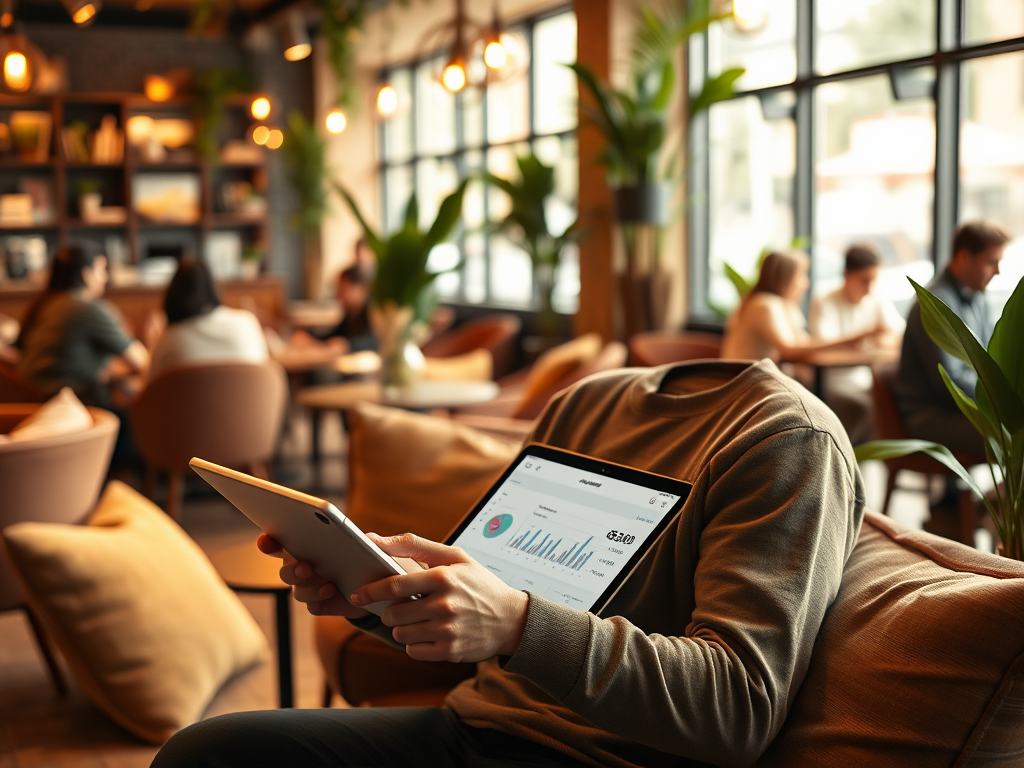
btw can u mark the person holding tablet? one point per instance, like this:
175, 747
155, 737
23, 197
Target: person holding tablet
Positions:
694, 660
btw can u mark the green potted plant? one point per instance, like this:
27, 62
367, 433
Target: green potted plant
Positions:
634, 124
997, 411
402, 279
526, 227
305, 151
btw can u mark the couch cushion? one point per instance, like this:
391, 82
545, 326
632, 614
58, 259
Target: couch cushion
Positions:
552, 366
918, 661
414, 473
62, 414
148, 628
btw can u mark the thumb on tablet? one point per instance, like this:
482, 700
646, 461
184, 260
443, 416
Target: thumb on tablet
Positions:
429, 553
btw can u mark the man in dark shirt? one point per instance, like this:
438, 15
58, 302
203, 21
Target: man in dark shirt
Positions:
928, 410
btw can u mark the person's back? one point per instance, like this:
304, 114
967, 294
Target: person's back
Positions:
760, 327
200, 329
926, 406
223, 334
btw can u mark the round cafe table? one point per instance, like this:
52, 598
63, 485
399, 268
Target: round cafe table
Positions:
422, 396
826, 359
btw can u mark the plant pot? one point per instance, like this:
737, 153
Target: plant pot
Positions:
644, 204
250, 269
89, 205
312, 266
402, 362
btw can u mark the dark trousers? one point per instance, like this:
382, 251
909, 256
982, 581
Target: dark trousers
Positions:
311, 738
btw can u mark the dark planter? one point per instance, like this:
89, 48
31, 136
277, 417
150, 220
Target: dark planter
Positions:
645, 204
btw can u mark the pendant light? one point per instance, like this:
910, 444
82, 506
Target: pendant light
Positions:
295, 36
22, 63
82, 12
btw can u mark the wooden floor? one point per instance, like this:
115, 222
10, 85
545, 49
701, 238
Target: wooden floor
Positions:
38, 729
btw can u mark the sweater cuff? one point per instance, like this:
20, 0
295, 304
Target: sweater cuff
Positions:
553, 649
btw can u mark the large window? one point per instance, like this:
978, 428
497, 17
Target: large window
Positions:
886, 121
437, 139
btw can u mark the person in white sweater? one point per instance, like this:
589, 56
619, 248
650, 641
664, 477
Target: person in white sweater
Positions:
200, 329
850, 309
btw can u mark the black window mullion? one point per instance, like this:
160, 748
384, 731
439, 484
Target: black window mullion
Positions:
803, 181
949, 35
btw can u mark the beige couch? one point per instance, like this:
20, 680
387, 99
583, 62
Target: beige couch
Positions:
918, 662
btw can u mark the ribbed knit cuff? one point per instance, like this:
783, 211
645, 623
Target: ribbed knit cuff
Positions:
553, 650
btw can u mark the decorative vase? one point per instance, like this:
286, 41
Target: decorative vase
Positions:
250, 269
402, 362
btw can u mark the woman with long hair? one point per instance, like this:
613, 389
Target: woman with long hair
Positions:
200, 328
70, 335
769, 322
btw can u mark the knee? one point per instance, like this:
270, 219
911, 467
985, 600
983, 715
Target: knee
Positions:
206, 744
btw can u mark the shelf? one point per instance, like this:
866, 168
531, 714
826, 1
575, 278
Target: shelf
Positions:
75, 166
28, 227
236, 220
147, 224
190, 165
16, 163
83, 224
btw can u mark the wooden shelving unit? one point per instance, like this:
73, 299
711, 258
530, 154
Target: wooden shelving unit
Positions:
118, 179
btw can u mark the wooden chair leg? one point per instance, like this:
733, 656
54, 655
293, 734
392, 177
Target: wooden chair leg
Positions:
174, 493
890, 486
328, 696
44, 648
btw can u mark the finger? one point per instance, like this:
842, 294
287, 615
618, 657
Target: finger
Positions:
335, 606
421, 550
399, 587
268, 546
437, 651
421, 632
414, 611
297, 573
312, 593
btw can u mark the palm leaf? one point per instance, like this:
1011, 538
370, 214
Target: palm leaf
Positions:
1006, 345
716, 89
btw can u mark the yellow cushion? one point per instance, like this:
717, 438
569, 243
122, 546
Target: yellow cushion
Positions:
558, 362
62, 414
477, 365
148, 628
414, 473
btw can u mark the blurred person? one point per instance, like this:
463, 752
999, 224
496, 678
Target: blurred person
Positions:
352, 333
70, 335
769, 322
928, 410
850, 309
202, 330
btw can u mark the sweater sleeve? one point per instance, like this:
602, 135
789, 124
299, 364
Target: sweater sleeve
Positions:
779, 523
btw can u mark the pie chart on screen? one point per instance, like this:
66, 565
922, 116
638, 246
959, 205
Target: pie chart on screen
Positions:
497, 526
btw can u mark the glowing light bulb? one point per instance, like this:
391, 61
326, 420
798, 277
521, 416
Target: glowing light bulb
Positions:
158, 88
495, 55
84, 13
387, 101
453, 78
260, 134
336, 121
16, 71
298, 52
139, 129
749, 15
275, 139
260, 107
6, 19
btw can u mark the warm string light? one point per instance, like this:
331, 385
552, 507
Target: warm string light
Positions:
260, 108
84, 13
275, 138
453, 78
387, 100
336, 121
749, 15
495, 55
158, 88
16, 74
260, 134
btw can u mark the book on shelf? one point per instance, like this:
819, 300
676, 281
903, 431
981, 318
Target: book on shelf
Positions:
104, 147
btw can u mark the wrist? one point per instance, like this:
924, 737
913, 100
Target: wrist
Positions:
519, 607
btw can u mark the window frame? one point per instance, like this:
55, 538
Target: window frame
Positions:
950, 53
458, 155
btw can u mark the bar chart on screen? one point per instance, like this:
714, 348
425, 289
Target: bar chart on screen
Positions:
559, 548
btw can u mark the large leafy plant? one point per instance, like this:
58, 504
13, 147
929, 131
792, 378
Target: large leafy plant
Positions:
634, 120
402, 271
526, 227
997, 411
306, 153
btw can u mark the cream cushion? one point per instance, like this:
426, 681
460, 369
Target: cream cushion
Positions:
62, 414
918, 662
418, 474
477, 365
558, 362
149, 630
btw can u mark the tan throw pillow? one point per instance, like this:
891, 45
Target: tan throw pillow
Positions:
414, 473
62, 414
477, 365
918, 662
557, 362
148, 628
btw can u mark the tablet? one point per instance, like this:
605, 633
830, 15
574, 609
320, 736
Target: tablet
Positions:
568, 527
310, 529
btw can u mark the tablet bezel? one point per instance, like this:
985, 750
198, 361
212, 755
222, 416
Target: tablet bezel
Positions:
631, 475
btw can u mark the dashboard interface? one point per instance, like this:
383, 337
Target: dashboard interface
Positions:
563, 533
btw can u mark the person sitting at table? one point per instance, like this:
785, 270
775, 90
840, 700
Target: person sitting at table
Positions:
200, 328
849, 309
769, 322
928, 410
352, 333
70, 335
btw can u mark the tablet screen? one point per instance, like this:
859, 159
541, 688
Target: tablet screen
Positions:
565, 532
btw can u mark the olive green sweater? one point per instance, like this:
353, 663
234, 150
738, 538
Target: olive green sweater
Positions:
703, 650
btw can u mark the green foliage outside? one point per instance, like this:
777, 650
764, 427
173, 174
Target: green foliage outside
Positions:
997, 411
